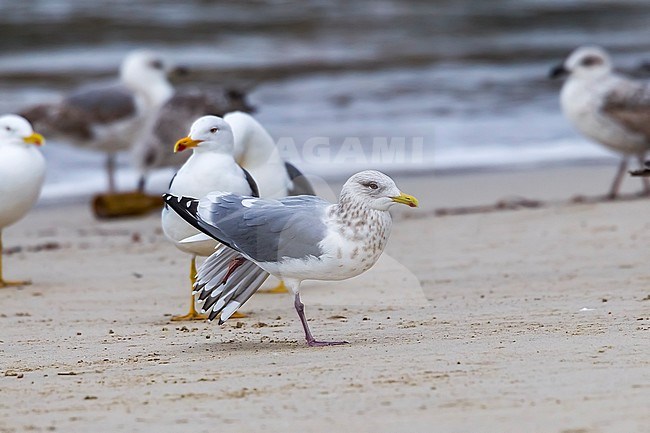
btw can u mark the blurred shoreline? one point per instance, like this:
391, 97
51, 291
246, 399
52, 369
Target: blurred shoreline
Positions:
468, 77
552, 183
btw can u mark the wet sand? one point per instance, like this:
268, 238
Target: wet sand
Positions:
532, 320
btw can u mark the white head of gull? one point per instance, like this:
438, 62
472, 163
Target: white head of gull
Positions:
146, 73
588, 62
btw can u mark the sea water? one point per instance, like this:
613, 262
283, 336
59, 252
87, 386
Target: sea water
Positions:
400, 85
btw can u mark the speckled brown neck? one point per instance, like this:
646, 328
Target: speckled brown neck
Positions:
358, 222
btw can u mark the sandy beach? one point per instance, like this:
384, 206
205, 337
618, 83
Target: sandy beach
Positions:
533, 320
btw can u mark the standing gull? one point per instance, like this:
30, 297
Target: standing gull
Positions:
607, 107
109, 117
295, 238
22, 171
211, 167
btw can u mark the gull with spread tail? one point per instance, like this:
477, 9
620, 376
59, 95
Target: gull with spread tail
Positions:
294, 238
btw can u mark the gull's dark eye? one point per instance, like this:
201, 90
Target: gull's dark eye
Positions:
156, 64
371, 185
8, 128
591, 61
214, 130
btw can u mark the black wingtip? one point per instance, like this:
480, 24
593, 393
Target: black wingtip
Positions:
640, 173
181, 203
186, 207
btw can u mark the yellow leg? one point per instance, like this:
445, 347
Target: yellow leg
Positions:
7, 283
280, 288
193, 314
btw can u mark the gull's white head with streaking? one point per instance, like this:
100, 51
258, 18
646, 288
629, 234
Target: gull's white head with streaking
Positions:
376, 190
208, 133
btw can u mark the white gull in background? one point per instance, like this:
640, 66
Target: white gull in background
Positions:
295, 238
109, 117
607, 107
211, 167
256, 151
22, 171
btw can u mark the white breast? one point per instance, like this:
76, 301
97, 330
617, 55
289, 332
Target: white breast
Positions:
115, 136
22, 171
349, 249
201, 174
581, 102
259, 155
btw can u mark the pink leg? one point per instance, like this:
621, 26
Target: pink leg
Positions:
311, 341
232, 266
613, 192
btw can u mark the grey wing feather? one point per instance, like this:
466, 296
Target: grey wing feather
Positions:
76, 114
103, 104
267, 230
300, 183
263, 230
55, 119
629, 105
222, 293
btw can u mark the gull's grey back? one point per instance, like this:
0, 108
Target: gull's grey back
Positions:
268, 230
103, 104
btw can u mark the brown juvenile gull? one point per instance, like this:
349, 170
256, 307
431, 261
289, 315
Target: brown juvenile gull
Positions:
607, 107
294, 238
